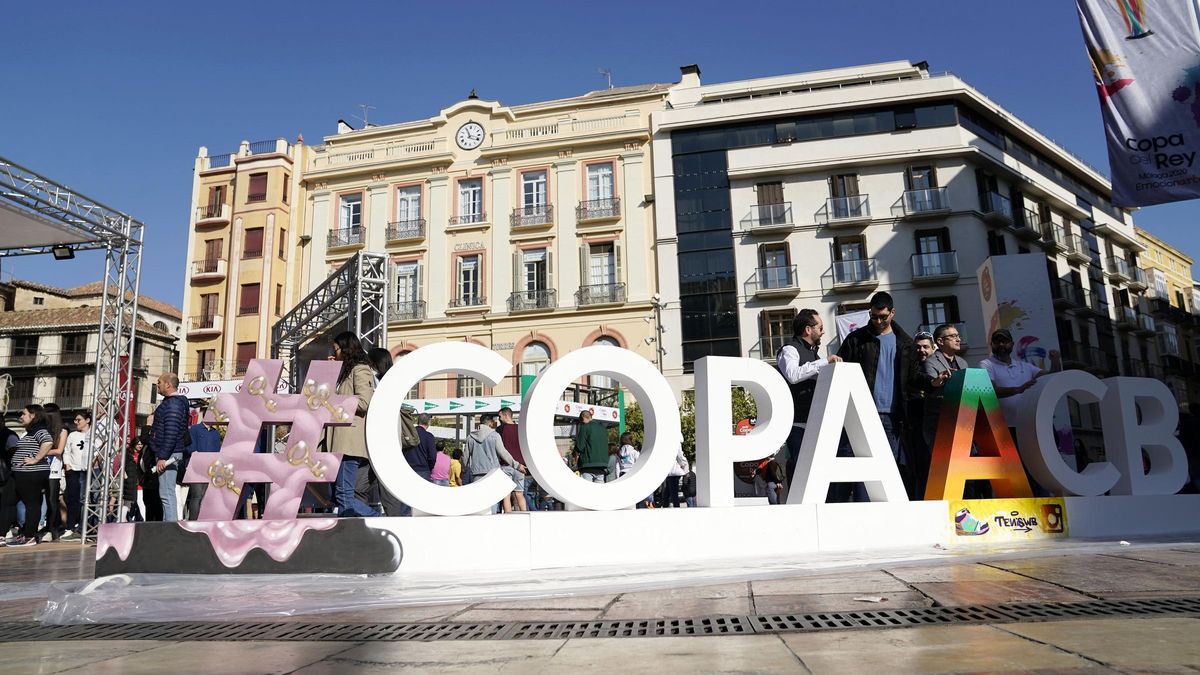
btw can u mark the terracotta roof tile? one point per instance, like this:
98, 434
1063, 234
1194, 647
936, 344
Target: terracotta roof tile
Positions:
65, 317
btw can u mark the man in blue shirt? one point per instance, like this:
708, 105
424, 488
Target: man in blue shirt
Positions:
889, 362
205, 438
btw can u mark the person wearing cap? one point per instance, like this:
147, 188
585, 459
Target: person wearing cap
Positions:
1011, 375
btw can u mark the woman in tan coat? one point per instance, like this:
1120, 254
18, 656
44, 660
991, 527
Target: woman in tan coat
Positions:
356, 379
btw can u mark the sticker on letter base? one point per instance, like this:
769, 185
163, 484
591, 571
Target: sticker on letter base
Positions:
1008, 519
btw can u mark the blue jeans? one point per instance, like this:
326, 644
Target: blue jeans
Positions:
349, 505
76, 482
166, 489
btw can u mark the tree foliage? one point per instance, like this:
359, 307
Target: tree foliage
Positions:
744, 407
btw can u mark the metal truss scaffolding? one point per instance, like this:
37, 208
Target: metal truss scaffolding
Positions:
43, 216
354, 296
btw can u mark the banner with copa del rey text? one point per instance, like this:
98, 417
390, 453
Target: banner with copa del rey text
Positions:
1146, 60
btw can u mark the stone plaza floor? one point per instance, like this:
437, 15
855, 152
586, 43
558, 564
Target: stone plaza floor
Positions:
1139, 642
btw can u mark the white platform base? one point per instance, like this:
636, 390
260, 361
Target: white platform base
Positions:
1130, 516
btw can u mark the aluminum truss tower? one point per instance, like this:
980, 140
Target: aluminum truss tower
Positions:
354, 296
93, 226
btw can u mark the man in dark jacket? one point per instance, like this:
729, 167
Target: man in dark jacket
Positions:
422, 456
889, 363
166, 441
591, 442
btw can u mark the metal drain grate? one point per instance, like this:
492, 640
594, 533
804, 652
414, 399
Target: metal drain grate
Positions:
548, 630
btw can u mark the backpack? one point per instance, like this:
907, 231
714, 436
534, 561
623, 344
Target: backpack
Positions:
408, 429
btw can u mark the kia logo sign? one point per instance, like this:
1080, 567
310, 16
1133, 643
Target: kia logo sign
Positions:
212, 388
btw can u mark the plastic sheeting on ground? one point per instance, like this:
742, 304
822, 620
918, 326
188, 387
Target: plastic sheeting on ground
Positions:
138, 598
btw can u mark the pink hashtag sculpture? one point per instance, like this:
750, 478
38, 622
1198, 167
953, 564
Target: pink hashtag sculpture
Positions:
308, 412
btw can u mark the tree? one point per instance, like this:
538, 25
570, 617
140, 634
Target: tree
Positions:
744, 407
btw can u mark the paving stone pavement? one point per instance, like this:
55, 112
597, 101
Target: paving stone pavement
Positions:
1152, 644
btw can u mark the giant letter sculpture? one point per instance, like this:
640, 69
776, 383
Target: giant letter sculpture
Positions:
1035, 430
1125, 439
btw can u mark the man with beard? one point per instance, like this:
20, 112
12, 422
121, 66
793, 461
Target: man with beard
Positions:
800, 364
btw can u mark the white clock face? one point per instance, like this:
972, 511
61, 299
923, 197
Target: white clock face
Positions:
470, 136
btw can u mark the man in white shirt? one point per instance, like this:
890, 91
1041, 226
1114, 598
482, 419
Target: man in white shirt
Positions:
800, 364
1011, 376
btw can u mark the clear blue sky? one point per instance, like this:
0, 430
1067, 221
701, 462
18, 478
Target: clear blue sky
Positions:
114, 99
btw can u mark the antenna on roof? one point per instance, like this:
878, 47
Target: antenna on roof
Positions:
366, 111
607, 75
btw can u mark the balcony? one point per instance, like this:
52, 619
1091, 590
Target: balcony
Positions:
468, 302
205, 324
208, 270
346, 236
1054, 236
1066, 294
598, 209
1168, 344
1027, 226
925, 203
1093, 303
775, 281
379, 153
1133, 368
1096, 360
21, 360
852, 210
1077, 250
1138, 281
406, 230
600, 294
996, 208
212, 215
533, 301
767, 348
1119, 269
1127, 319
468, 219
934, 268
555, 130
769, 218
849, 274
410, 310
1146, 326
529, 216
77, 358
961, 327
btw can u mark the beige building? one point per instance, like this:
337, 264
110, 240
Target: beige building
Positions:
49, 339
1175, 305
527, 229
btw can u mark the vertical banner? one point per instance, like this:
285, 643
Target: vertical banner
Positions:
1146, 60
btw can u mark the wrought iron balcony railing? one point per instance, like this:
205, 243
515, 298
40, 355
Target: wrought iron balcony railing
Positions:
406, 229
539, 214
598, 209
346, 236
600, 294
531, 301
409, 310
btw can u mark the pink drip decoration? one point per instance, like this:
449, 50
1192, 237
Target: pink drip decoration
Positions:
118, 537
233, 539
227, 472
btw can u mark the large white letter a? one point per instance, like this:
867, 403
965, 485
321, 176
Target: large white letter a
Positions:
842, 400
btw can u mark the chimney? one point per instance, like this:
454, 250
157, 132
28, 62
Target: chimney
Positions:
690, 76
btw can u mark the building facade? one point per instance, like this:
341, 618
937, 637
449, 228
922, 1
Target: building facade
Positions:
49, 340
1173, 302
819, 189
527, 229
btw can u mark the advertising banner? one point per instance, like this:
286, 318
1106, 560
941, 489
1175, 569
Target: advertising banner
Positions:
991, 520
1146, 60
851, 321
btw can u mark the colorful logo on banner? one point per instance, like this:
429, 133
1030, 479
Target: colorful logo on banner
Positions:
1149, 93
1008, 519
971, 416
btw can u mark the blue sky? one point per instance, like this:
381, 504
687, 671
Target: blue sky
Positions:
114, 99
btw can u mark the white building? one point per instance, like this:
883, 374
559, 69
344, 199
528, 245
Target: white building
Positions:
819, 189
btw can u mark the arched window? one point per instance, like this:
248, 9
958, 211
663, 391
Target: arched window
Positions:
534, 358
161, 326
601, 381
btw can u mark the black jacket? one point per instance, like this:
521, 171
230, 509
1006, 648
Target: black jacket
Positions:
862, 347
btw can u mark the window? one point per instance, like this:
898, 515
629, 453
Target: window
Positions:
206, 360
74, 348
534, 267
24, 350
283, 243
39, 300
258, 188
350, 211
920, 178
278, 299
21, 393
996, 244
600, 181
775, 269
208, 307
933, 253
850, 264
246, 351
408, 204
774, 330
286, 184
602, 381
845, 201
534, 358
601, 263
936, 311
216, 196
253, 246
467, 386
249, 299
408, 288
771, 207
68, 391
469, 280
470, 201
533, 191
212, 253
